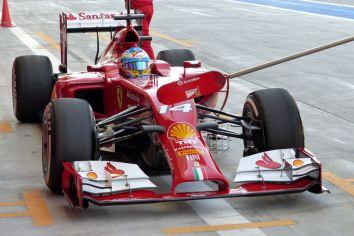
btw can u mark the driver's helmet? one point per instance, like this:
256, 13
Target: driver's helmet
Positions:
135, 63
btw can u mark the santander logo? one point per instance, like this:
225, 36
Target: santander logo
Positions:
71, 17
88, 16
267, 162
95, 16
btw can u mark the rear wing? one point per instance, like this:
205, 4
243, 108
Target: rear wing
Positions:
84, 22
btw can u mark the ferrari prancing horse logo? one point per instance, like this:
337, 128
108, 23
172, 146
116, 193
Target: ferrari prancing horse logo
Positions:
120, 97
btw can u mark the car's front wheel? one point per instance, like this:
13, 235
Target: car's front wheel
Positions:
68, 134
276, 112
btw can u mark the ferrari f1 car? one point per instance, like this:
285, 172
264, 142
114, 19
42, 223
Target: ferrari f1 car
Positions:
105, 135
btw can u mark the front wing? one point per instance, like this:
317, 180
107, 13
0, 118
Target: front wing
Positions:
269, 173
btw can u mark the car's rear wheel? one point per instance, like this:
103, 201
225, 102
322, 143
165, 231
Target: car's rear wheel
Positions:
276, 111
176, 57
32, 84
68, 135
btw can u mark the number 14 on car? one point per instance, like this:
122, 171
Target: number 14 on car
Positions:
187, 107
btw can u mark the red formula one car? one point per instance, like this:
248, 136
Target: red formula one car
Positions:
105, 135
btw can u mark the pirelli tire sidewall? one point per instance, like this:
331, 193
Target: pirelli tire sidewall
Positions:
281, 123
32, 84
68, 135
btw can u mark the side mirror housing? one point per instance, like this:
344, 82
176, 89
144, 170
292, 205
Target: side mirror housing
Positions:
192, 64
161, 68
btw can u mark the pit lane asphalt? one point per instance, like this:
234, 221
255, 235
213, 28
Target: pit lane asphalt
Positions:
227, 35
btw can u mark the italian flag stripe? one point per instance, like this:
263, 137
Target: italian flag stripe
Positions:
198, 174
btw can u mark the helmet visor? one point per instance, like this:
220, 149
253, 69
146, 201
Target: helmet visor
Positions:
137, 65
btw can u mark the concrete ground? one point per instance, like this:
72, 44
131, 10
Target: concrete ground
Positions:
229, 35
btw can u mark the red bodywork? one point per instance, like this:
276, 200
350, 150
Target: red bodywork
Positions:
118, 93
170, 92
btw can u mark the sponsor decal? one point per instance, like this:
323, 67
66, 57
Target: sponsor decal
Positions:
120, 97
193, 92
91, 175
90, 16
191, 151
298, 163
168, 158
185, 141
199, 173
187, 81
188, 147
267, 162
187, 107
196, 164
70, 16
179, 82
133, 97
142, 82
180, 131
91, 19
193, 157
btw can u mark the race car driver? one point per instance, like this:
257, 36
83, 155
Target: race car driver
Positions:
147, 8
135, 63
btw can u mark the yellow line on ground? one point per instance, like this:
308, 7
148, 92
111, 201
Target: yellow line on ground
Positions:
37, 208
48, 40
209, 228
5, 127
6, 204
14, 214
349, 180
340, 182
171, 39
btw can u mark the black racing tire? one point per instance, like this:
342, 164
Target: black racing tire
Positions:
176, 57
279, 115
68, 134
32, 84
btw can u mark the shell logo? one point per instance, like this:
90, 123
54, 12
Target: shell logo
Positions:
182, 131
298, 163
91, 175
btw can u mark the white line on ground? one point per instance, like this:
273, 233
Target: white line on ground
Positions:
218, 212
344, 84
34, 46
93, 2
245, 9
338, 141
329, 3
197, 12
